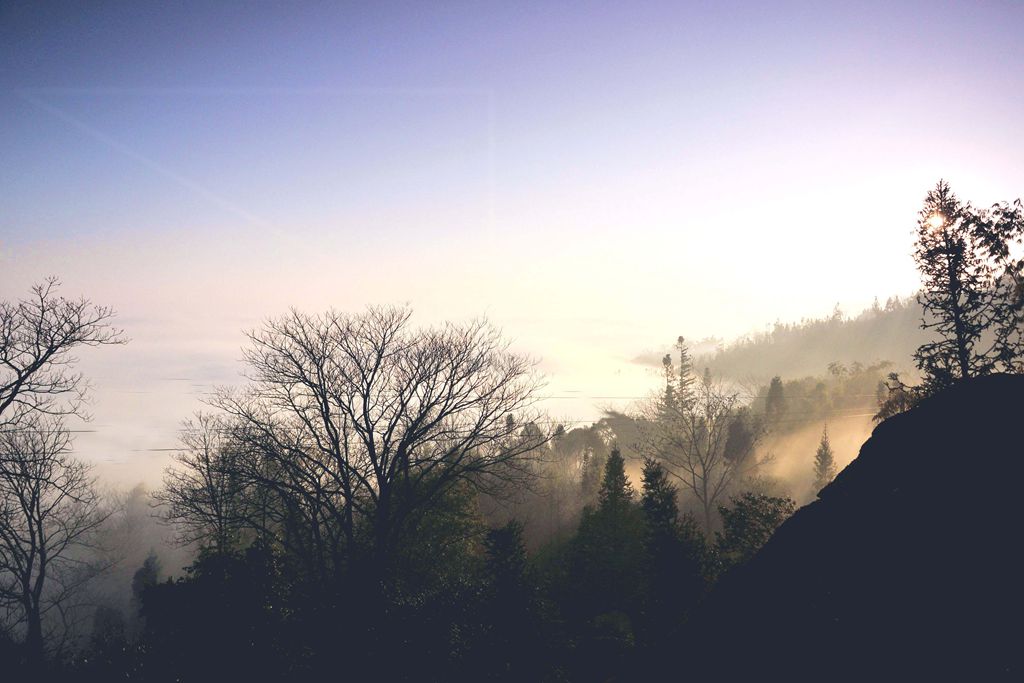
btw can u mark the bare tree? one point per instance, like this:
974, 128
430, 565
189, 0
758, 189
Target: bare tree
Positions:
37, 337
357, 423
204, 491
49, 512
707, 442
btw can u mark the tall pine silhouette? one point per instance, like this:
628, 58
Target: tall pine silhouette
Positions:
824, 463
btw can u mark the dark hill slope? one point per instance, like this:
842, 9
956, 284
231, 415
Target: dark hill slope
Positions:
908, 566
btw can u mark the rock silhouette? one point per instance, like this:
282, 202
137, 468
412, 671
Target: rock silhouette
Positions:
908, 566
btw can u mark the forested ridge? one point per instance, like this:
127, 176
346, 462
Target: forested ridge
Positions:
886, 331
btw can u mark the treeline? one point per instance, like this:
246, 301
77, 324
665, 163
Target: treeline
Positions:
360, 497
462, 600
886, 331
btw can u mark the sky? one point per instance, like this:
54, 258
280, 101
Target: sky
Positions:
595, 178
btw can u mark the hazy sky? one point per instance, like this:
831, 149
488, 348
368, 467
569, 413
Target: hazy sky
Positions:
596, 178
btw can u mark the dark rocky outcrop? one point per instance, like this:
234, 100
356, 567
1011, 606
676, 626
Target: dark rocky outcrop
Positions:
907, 567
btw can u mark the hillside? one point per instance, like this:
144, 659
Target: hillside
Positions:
907, 565
883, 333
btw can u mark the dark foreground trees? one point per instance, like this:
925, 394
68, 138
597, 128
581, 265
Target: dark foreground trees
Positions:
352, 424
972, 294
958, 291
336, 507
353, 457
49, 514
49, 508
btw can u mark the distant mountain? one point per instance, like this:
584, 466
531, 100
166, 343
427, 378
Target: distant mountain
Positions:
907, 567
889, 332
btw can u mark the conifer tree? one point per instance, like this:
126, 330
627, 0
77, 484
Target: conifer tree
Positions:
606, 557
972, 295
824, 462
1001, 233
957, 293
686, 379
658, 500
509, 608
616, 491
669, 399
775, 401
748, 522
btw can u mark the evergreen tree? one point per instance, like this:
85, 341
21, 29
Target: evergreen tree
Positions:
748, 522
957, 292
658, 500
775, 402
673, 556
145, 576
742, 436
669, 406
606, 575
972, 295
685, 389
1001, 232
824, 463
508, 608
616, 491
558, 434
506, 557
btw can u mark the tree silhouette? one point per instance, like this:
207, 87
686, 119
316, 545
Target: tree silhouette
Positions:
673, 556
748, 522
204, 493
509, 609
49, 513
1001, 233
38, 336
606, 574
824, 462
355, 423
616, 491
706, 443
972, 295
658, 500
775, 402
957, 291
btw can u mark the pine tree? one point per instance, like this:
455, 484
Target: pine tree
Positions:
616, 491
672, 569
144, 577
509, 608
775, 402
742, 436
606, 561
957, 292
686, 378
748, 522
669, 399
972, 295
1001, 233
824, 463
658, 500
